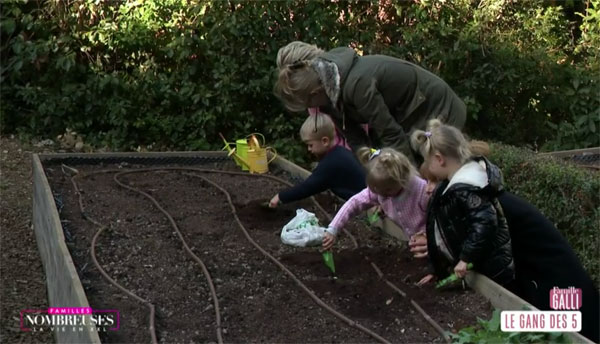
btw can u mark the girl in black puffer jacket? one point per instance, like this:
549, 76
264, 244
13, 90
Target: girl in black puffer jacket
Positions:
465, 222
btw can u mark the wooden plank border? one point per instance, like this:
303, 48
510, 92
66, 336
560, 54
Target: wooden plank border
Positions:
573, 152
62, 282
58, 156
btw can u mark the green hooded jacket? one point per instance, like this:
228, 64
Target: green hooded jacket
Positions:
393, 96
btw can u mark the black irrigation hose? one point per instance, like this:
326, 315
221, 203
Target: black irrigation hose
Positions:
151, 328
350, 322
186, 248
310, 293
415, 305
317, 300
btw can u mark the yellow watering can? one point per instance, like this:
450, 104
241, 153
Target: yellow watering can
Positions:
241, 148
249, 153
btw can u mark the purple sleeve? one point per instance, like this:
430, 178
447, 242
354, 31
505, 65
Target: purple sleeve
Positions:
423, 197
358, 203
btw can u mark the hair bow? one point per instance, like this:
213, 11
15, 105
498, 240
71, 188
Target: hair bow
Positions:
374, 153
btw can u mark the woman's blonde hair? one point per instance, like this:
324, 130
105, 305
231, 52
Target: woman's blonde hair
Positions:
447, 140
317, 126
296, 79
386, 166
295, 85
297, 51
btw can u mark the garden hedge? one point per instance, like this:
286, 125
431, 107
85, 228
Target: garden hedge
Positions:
567, 194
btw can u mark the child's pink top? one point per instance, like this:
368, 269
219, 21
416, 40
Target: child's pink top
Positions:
408, 210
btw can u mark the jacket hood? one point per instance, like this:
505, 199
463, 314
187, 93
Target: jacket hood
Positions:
344, 58
329, 76
478, 172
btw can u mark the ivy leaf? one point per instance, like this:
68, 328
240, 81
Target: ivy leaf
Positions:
494, 323
8, 25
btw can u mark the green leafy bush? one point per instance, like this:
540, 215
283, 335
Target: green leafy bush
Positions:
173, 73
568, 195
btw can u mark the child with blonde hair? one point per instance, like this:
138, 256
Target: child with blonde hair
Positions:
392, 184
465, 222
418, 243
338, 170
472, 219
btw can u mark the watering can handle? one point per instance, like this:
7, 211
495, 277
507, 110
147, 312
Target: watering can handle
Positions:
273, 152
257, 134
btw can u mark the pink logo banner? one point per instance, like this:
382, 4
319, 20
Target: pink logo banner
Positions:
569, 299
70, 319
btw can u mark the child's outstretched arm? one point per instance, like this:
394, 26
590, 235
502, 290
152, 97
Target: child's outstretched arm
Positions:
355, 205
318, 181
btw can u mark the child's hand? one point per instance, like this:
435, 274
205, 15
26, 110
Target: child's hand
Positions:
425, 280
418, 245
328, 241
461, 269
274, 202
430, 187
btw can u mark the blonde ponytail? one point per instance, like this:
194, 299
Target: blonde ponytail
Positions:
363, 154
479, 148
446, 139
420, 142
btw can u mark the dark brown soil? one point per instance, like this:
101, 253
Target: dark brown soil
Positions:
258, 302
22, 280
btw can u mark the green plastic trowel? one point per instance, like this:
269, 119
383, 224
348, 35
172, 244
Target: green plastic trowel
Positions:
328, 259
373, 218
451, 278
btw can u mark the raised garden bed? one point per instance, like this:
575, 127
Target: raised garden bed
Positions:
139, 246
587, 157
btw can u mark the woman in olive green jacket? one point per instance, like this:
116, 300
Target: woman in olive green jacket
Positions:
393, 96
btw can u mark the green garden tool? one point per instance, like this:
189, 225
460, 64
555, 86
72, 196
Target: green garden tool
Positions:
450, 279
373, 217
328, 259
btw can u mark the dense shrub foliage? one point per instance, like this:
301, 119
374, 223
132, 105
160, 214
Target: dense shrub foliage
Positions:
173, 73
568, 195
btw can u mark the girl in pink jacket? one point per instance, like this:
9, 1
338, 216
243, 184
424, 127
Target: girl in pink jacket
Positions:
392, 184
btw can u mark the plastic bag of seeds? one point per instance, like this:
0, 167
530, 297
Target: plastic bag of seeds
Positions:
303, 230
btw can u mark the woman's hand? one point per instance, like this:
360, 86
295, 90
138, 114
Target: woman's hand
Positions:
274, 202
425, 280
418, 245
328, 241
461, 269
